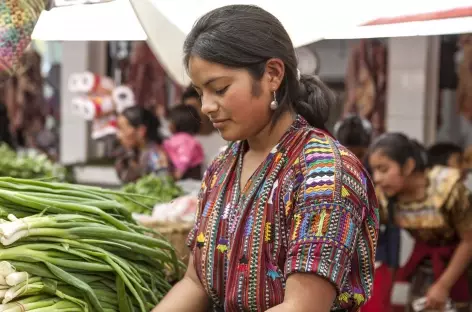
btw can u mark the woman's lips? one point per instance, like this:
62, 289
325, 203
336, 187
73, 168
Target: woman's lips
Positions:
219, 123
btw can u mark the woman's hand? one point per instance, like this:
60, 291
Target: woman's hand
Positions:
437, 296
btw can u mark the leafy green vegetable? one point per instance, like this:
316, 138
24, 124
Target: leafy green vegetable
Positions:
153, 190
27, 166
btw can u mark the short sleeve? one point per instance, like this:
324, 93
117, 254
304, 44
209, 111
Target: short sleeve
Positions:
460, 208
333, 227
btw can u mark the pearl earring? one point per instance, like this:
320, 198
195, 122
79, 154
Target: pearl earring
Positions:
274, 104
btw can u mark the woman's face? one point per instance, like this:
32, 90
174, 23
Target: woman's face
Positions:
128, 135
387, 174
237, 105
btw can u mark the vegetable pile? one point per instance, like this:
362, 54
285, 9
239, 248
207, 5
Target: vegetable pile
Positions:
28, 166
75, 248
153, 190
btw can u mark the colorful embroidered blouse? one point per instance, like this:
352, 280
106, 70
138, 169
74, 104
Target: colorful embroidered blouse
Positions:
309, 207
445, 211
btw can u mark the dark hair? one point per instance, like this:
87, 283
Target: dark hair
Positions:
189, 93
354, 131
400, 148
138, 116
439, 153
185, 119
246, 36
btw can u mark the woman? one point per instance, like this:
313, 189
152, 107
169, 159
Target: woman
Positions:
355, 133
142, 152
435, 207
287, 216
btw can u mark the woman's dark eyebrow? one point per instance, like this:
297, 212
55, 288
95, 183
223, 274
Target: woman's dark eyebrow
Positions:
210, 80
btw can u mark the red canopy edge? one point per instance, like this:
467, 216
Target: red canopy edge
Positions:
452, 13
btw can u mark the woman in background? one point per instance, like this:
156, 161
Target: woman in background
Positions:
184, 150
142, 152
435, 208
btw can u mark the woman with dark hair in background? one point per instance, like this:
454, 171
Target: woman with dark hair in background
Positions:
355, 133
287, 217
435, 207
142, 152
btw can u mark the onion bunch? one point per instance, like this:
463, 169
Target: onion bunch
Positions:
73, 248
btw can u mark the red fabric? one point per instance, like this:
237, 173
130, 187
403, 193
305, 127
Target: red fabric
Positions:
460, 290
383, 284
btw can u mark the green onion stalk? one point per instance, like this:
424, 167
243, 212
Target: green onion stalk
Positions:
67, 247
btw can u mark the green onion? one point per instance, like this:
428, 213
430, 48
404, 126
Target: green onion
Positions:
76, 248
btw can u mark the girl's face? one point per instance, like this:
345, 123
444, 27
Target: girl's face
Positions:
129, 136
387, 173
237, 105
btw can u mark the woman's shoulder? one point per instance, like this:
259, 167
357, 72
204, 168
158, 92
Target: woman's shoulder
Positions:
325, 160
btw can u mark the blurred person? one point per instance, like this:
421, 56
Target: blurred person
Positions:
184, 151
355, 133
446, 154
209, 137
287, 217
434, 206
142, 151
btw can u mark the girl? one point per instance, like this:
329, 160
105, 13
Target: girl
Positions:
287, 217
435, 207
184, 150
142, 152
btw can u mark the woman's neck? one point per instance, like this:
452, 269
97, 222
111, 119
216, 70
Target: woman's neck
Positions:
270, 135
416, 187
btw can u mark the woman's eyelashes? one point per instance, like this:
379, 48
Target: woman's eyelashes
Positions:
222, 91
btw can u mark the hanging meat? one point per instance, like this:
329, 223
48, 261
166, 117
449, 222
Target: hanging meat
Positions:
464, 88
149, 81
366, 82
25, 101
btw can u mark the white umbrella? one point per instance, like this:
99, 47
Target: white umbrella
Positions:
167, 23
406, 18
107, 21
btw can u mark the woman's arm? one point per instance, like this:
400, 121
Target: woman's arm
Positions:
186, 296
306, 292
459, 262
439, 293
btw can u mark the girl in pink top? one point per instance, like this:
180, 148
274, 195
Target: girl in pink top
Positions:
184, 150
